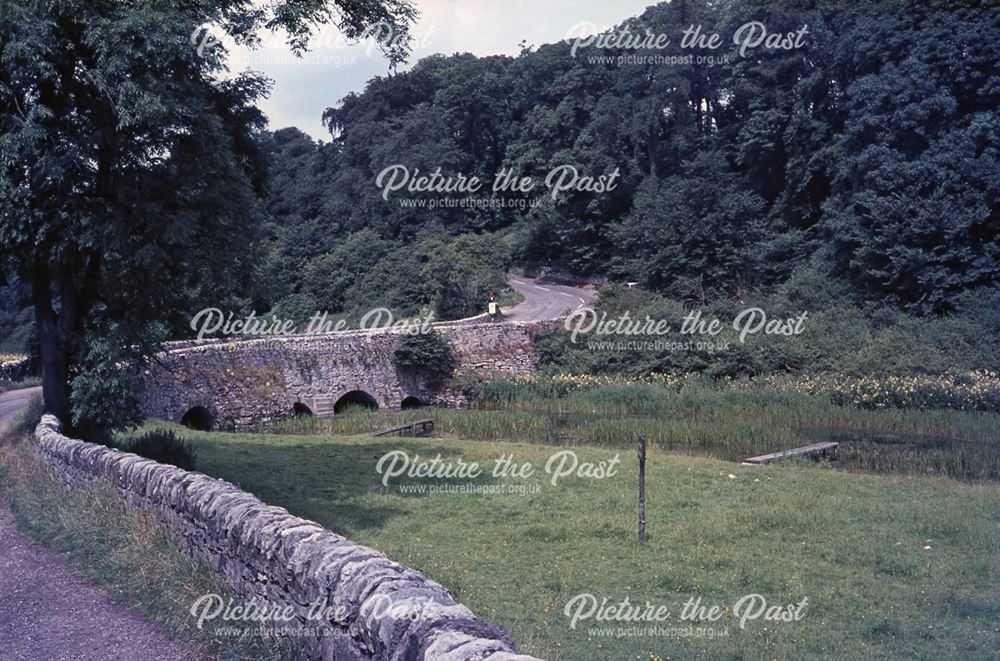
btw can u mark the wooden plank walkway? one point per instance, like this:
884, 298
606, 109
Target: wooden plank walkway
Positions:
815, 450
417, 427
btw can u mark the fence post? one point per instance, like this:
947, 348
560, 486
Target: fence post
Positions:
642, 488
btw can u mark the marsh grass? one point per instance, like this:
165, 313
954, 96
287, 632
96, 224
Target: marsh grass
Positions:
730, 424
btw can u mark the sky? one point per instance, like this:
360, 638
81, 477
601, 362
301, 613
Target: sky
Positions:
304, 88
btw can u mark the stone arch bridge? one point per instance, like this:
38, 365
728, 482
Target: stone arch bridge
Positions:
221, 384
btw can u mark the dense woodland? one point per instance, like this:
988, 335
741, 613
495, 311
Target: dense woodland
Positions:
868, 156
857, 176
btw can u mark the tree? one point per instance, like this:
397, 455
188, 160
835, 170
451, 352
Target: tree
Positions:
427, 354
873, 143
913, 213
130, 169
464, 272
701, 225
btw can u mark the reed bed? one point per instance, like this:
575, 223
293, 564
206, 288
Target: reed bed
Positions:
730, 421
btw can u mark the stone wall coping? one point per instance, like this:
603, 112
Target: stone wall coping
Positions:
384, 610
178, 346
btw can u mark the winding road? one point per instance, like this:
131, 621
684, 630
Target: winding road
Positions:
48, 612
544, 301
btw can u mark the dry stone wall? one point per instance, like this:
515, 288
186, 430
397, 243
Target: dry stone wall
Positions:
15, 370
379, 609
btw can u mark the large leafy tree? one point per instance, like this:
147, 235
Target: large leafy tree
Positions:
129, 170
914, 214
693, 230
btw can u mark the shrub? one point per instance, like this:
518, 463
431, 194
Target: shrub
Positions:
840, 337
462, 273
298, 307
162, 445
427, 354
973, 391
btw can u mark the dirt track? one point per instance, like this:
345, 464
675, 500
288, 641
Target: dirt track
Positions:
47, 612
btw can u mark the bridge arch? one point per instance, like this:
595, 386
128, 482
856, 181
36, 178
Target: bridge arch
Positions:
198, 418
411, 402
243, 382
355, 398
298, 408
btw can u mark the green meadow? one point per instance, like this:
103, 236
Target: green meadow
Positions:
890, 565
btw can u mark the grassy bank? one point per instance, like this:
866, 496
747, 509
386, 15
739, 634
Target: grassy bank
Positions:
27, 382
121, 549
891, 566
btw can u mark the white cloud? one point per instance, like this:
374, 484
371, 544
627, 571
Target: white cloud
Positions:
303, 88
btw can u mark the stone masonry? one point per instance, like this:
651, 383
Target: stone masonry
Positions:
379, 609
237, 383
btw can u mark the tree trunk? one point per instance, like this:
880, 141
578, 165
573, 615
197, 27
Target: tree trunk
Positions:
53, 348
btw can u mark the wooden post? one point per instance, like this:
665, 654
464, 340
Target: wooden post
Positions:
642, 488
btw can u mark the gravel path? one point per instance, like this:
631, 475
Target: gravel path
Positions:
48, 613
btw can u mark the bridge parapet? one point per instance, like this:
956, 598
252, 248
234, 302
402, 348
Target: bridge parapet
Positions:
233, 384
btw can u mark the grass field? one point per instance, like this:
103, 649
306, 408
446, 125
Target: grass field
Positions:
892, 566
